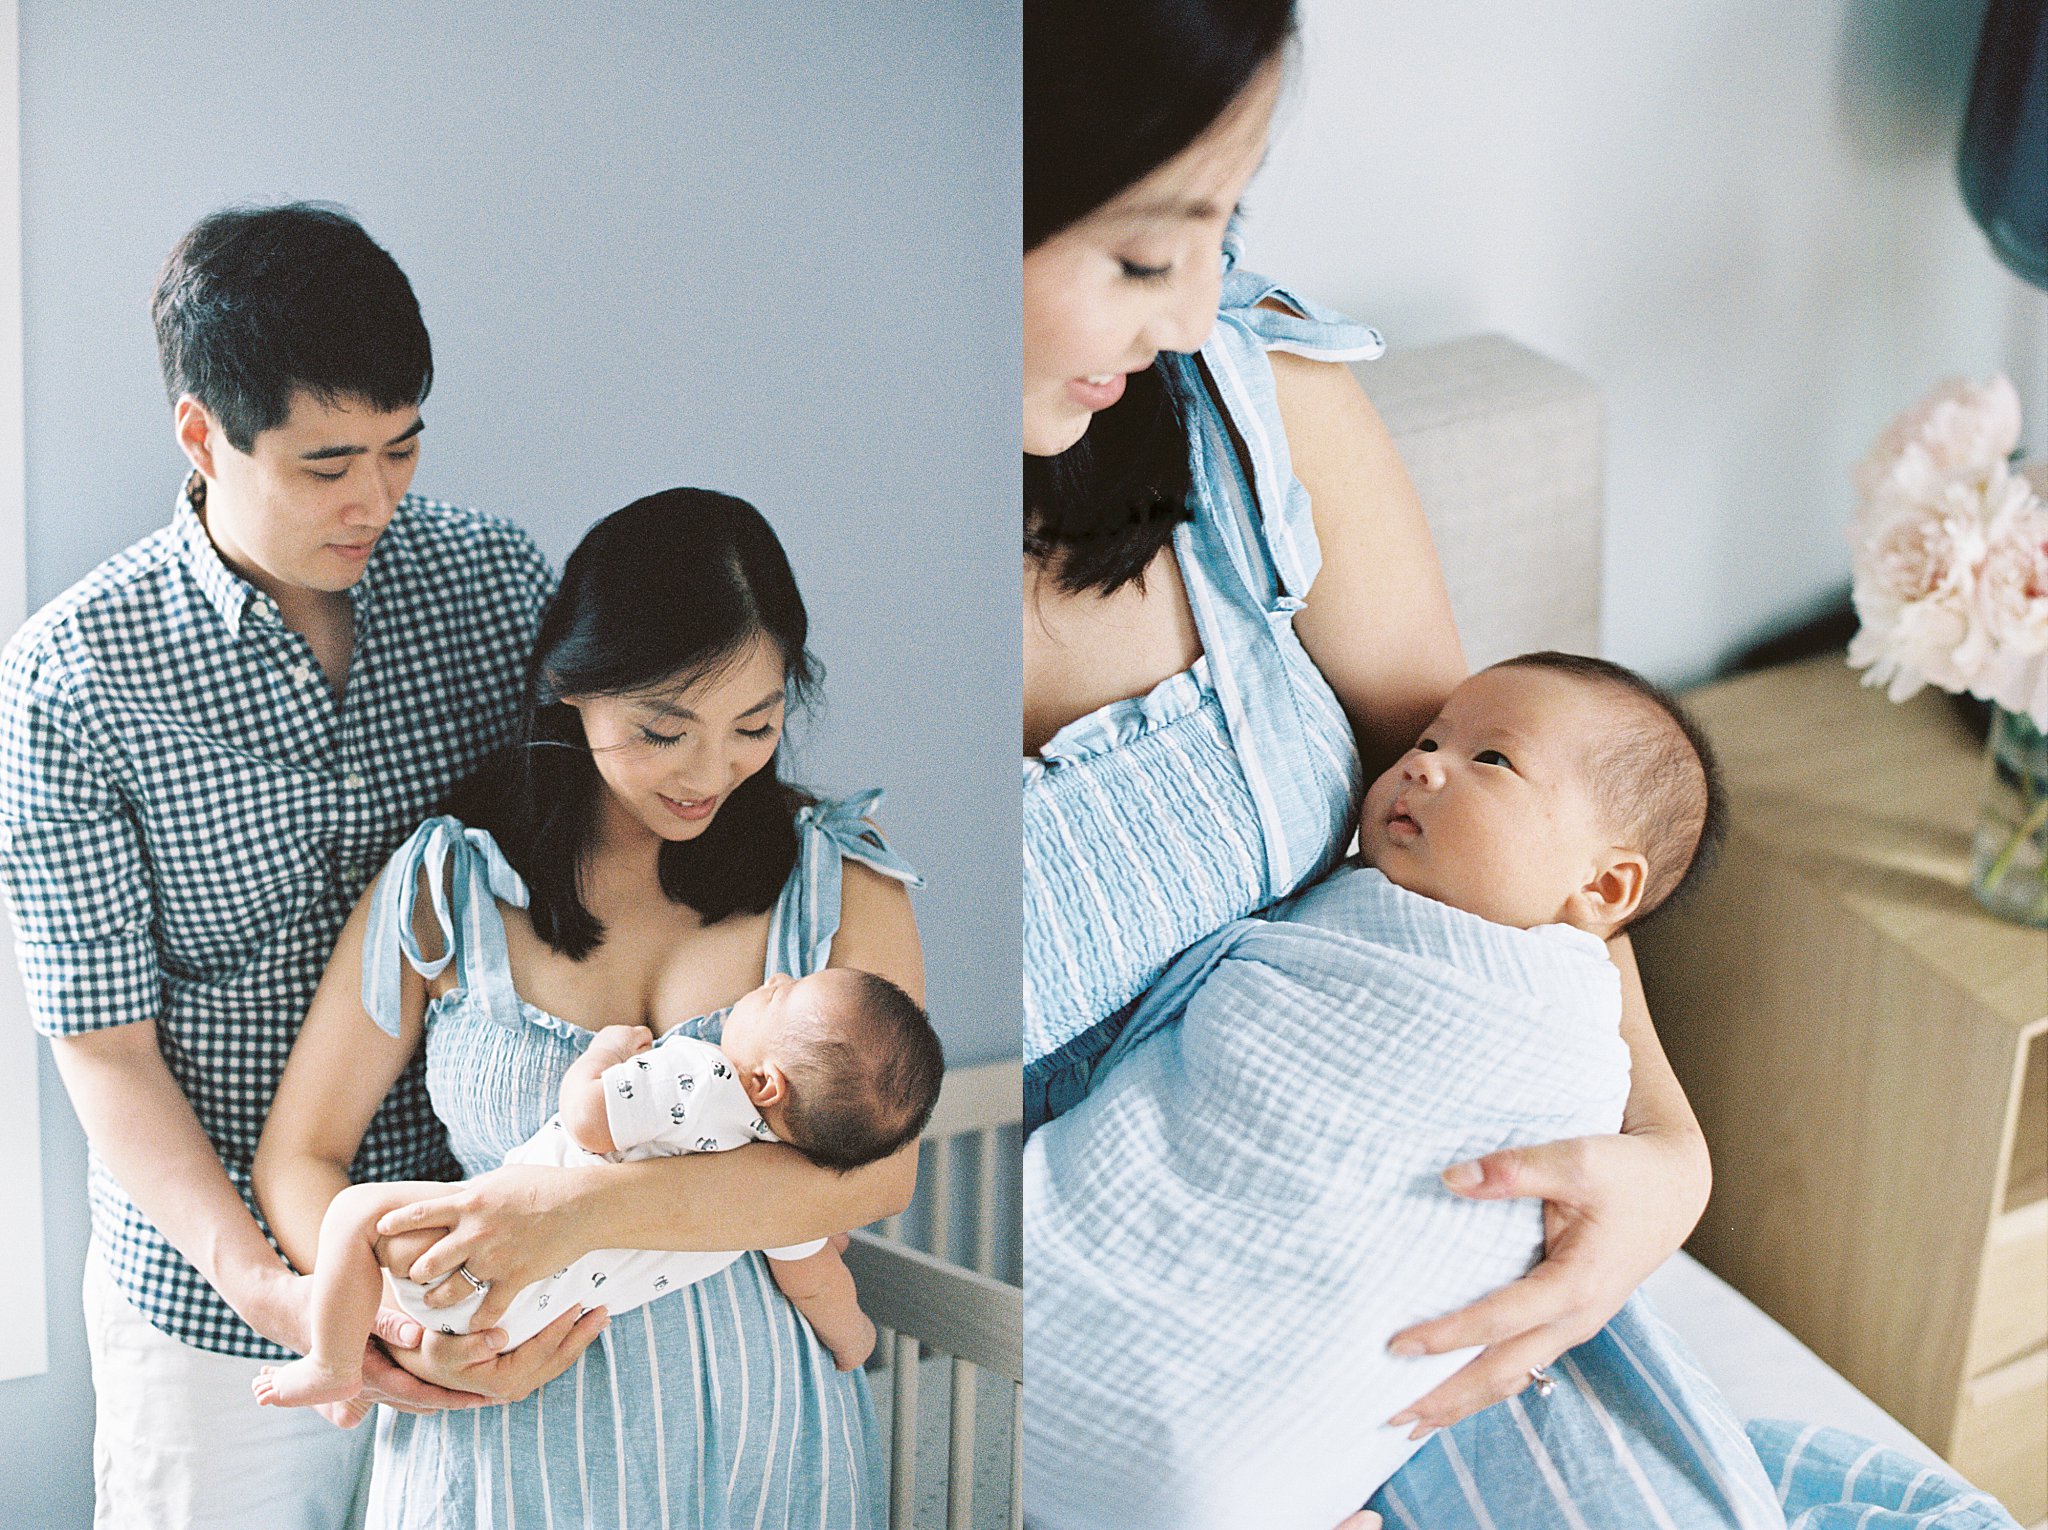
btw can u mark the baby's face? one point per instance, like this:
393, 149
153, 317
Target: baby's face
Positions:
758, 1020
1489, 812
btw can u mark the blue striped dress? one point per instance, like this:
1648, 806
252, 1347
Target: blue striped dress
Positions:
1153, 821
712, 1408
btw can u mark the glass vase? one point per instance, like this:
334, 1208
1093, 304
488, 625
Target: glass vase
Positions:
2009, 856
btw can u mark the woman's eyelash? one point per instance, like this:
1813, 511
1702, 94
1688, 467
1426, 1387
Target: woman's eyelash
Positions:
665, 740
1141, 273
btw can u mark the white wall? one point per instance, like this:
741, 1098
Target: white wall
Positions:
1738, 217
24, 1344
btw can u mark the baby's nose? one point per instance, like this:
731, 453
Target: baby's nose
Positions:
1423, 767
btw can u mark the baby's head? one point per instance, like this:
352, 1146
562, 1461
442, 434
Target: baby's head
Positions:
843, 1065
1551, 789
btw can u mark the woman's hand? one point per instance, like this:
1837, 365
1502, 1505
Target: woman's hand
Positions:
510, 1227
469, 1366
1614, 1209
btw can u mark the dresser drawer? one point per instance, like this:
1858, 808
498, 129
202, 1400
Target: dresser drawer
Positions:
1998, 1434
2012, 1296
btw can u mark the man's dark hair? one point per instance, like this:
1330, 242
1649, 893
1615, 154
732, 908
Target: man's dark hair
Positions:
1112, 91
259, 303
864, 1085
1653, 775
666, 592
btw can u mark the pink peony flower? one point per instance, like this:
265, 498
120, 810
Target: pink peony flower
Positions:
1961, 427
1951, 555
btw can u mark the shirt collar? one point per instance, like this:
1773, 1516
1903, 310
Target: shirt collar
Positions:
226, 591
232, 596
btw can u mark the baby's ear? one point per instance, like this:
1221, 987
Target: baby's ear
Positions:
767, 1086
1615, 892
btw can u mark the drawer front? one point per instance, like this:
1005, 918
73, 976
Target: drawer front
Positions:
2012, 1299
1998, 1434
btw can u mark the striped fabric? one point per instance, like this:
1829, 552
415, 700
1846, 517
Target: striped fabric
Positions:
1154, 820
712, 1408
1224, 1235
1827, 1479
187, 814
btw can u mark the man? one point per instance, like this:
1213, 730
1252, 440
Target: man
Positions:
208, 746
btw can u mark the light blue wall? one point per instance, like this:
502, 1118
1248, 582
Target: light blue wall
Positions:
768, 249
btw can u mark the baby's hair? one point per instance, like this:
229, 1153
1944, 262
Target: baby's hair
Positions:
863, 1079
1653, 776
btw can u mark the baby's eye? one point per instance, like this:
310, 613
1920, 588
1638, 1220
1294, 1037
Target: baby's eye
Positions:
1426, 745
1492, 757
1138, 272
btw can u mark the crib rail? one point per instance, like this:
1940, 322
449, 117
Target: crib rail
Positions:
924, 1300
976, 1321
978, 1110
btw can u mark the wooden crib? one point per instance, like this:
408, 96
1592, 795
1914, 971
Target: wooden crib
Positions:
953, 1327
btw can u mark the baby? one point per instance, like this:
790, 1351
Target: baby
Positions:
841, 1065
1224, 1235
1552, 789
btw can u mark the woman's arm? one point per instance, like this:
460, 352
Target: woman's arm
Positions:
1614, 1209
519, 1223
341, 1067
1378, 624
1378, 620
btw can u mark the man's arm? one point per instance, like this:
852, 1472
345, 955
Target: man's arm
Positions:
73, 866
143, 1128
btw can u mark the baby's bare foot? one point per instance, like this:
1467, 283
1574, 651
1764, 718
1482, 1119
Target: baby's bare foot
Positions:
304, 1383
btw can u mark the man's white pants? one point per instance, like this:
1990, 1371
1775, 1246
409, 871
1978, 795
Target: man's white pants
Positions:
180, 1443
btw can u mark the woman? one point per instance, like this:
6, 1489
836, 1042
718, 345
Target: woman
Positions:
1228, 581
635, 860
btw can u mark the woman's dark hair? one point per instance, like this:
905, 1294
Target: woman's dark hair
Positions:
665, 592
1111, 93
257, 303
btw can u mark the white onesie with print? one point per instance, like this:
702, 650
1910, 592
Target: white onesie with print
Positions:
680, 1096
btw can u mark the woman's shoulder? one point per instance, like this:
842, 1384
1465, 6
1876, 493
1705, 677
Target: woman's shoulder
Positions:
1258, 310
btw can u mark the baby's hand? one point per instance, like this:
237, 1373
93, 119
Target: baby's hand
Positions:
616, 1043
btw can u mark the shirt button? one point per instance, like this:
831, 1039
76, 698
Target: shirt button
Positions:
303, 673
352, 781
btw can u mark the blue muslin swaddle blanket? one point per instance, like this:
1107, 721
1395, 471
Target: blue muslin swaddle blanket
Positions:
1221, 1238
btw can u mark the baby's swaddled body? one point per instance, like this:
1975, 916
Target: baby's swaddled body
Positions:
1252, 1191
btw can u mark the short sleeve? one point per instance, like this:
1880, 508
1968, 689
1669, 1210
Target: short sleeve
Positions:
72, 865
796, 1250
679, 1094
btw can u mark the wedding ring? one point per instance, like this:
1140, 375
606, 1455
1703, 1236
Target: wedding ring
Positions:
481, 1287
1545, 1382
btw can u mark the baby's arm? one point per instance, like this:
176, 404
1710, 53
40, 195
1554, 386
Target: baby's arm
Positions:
582, 1100
821, 1288
348, 1285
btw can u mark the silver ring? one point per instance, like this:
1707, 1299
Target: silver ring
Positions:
1545, 1382
481, 1287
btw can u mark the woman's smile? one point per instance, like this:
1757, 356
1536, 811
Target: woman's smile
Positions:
1097, 393
690, 809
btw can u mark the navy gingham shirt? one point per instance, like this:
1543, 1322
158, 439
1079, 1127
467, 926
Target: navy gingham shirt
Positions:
187, 814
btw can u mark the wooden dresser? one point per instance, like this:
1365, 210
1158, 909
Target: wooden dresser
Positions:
1868, 1053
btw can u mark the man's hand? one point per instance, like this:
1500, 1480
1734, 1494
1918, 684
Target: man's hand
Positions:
385, 1382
